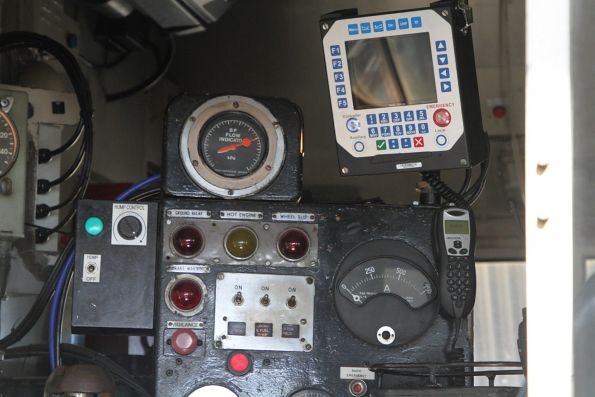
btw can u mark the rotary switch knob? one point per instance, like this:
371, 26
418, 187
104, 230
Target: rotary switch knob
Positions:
130, 227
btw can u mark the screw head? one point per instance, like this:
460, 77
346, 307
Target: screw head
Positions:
308, 347
345, 170
463, 162
169, 372
325, 26
444, 13
303, 321
220, 276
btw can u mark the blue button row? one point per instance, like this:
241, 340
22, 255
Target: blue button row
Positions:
404, 143
381, 26
443, 72
397, 130
339, 77
396, 117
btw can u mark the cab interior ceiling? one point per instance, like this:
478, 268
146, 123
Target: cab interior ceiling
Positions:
280, 56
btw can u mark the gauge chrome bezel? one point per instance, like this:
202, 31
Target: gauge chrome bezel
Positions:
15, 135
211, 181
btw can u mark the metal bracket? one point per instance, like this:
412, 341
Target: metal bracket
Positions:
467, 11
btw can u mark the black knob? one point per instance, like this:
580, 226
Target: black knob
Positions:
130, 227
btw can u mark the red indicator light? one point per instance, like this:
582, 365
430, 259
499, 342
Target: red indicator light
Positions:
293, 244
184, 342
239, 363
187, 241
358, 388
442, 117
499, 111
186, 294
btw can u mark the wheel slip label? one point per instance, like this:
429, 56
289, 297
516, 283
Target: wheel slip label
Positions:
293, 217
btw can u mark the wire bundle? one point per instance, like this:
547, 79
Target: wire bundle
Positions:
19, 40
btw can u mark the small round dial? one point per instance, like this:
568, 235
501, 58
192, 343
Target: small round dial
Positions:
233, 144
9, 144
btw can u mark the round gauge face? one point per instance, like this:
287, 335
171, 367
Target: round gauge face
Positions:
233, 144
9, 144
381, 276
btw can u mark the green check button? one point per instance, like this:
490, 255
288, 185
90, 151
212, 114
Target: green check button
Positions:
380, 144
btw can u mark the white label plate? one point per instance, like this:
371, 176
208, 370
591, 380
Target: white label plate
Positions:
182, 213
252, 215
357, 373
122, 210
293, 217
91, 268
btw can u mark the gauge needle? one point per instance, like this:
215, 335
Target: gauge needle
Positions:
356, 298
246, 142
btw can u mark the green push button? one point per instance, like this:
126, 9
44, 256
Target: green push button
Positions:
94, 226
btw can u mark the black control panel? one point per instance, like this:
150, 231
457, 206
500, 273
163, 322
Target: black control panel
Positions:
281, 299
114, 269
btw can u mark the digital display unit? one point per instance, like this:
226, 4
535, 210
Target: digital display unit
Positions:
403, 90
456, 227
391, 71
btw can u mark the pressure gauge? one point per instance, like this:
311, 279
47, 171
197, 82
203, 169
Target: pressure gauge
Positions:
9, 143
232, 146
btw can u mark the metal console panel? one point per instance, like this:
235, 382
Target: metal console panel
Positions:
275, 312
336, 356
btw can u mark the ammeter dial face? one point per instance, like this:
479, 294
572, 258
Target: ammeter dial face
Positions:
9, 144
385, 292
387, 276
233, 144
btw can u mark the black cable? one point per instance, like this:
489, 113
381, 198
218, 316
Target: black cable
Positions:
18, 40
44, 185
151, 81
466, 181
85, 355
45, 155
43, 210
17, 333
42, 233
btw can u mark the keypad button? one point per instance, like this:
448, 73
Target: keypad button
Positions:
458, 244
464, 251
385, 130
450, 274
421, 114
459, 282
410, 129
397, 130
409, 115
455, 298
459, 266
450, 281
396, 117
371, 118
383, 118
373, 132
452, 251
451, 289
459, 274
451, 266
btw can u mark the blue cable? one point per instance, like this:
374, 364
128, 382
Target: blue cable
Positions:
65, 272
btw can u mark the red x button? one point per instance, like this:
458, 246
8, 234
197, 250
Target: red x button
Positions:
418, 141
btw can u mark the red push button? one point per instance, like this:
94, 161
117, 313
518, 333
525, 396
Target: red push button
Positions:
442, 117
358, 388
239, 363
184, 342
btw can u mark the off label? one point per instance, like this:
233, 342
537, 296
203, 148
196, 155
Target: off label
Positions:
293, 217
241, 215
91, 268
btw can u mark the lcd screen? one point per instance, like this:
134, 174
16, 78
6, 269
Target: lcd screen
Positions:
456, 227
391, 71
